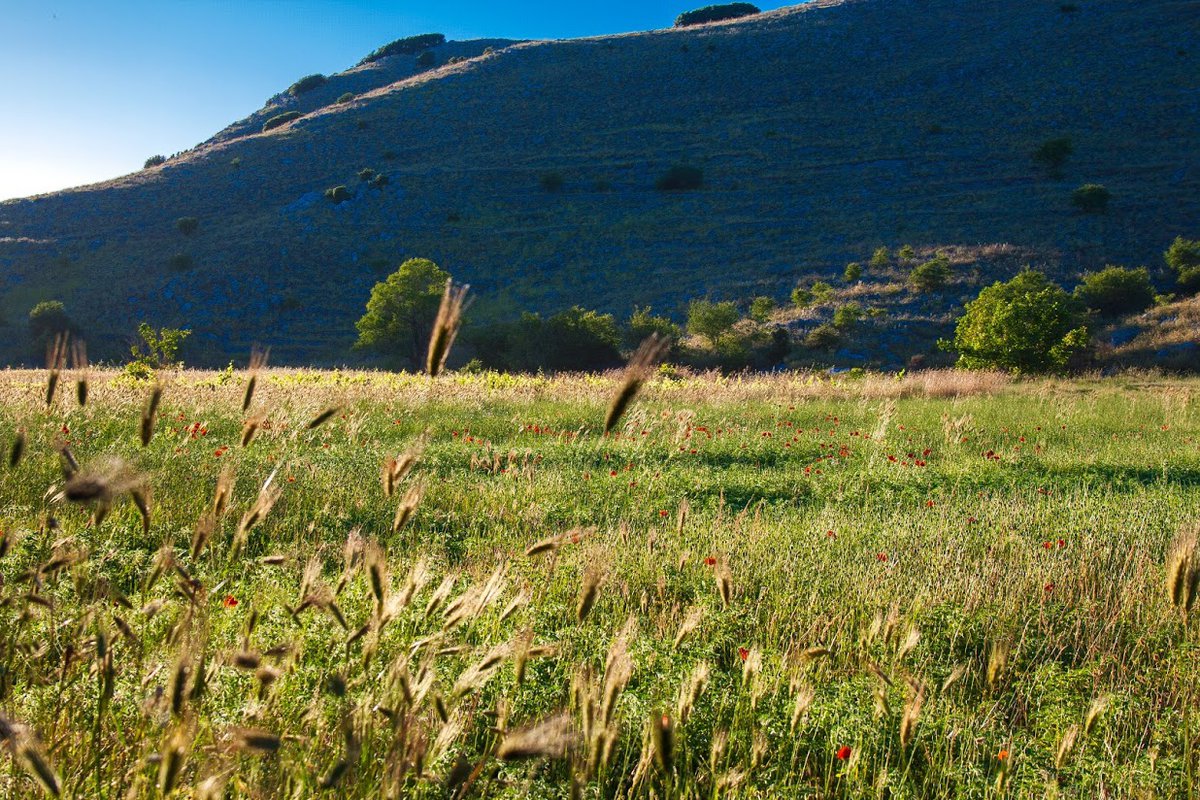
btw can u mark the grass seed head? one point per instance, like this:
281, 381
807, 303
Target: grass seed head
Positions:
445, 327
637, 371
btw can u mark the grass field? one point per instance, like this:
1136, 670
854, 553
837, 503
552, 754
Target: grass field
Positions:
943, 585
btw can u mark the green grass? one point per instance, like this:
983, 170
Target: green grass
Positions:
864, 517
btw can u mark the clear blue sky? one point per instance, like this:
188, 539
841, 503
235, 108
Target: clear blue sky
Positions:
91, 89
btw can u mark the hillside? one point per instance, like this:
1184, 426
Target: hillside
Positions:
823, 131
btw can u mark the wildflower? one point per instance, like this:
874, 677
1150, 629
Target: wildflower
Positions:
743, 653
710, 562
843, 752
881, 556
1049, 587
230, 601
1002, 755
661, 513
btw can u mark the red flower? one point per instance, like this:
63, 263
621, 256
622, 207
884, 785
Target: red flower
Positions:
1062, 543
1047, 545
710, 562
743, 653
881, 556
843, 752
662, 513
1049, 587
230, 601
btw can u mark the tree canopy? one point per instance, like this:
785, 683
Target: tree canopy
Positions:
401, 312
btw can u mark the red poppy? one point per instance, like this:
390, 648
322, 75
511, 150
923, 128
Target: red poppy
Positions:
843, 752
881, 556
662, 513
1002, 755
230, 601
743, 653
710, 562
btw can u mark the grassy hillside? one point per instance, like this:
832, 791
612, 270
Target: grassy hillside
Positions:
822, 132
946, 586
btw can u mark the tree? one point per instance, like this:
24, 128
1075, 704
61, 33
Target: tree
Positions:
1116, 290
1053, 155
48, 319
710, 320
1091, 198
761, 308
401, 312
933, 274
1183, 257
1025, 325
853, 272
880, 258
642, 324
158, 348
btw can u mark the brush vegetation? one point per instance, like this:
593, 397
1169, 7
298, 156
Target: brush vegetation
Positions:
278, 582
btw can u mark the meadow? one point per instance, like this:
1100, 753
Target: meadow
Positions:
941, 585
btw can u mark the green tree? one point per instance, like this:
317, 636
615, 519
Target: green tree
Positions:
1116, 290
710, 320
907, 253
845, 317
46, 320
880, 258
933, 274
642, 324
401, 312
761, 308
1025, 325
853, 272
1183, 257
159, 347
1091, 198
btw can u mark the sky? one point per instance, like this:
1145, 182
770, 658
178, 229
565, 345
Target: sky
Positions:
92, 89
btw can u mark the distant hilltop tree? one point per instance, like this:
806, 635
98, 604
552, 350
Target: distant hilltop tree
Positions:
716, 13
409, 46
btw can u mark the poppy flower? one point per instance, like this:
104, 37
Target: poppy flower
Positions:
230, 601
743, 653
1002, 755
662, 513
710, 562
843, 752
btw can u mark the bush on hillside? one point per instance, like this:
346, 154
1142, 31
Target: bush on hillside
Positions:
426, 59
715, 14
711, 320
575, 339
281, 119
1025, 325
346, 97
932, 275
366, 174
845, 317
761, 308
552, 181
853, 272
407, 46
307, 84
337, 194
1116, 290
880, 259
822, 337
642, 324
1183, 257
1091, 198
680, 178
187, 225
181, 262
154, 161
48, 319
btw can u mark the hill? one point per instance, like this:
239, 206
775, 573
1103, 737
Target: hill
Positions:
822, 131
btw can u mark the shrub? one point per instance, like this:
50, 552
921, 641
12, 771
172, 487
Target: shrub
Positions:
281, 119
853, 272
715, 13
1053, 154
802, 297
181, 262
710, 320
426, 59
880, 258
761, 308
1116, 290
47, 319
401, 311
307, 84
552, 181
187, 225
575, 339
1091, 198
642, 324
378, 180
822, 292
933, 274
346, 97
846, 316
1025, 325
337, 194
822, 337
158, 348
154, 161
1183, 257
819, 292
680, 178
407, 46
907, 253
366, 174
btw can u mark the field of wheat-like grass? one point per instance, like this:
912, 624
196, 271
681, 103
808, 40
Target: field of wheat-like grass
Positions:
372, 585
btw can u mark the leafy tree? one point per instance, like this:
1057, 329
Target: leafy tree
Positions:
853, 272
48, 319
761, 308
822, 337
575, 339
933, 274
307, 84
1183, 257
401, 312
154, 161
880, 258
907, 253
280, 119
846, 316
1116, 290
715, 13
710, 320
1025, 325
158, 348
802, 297
1091, 198
642, 324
